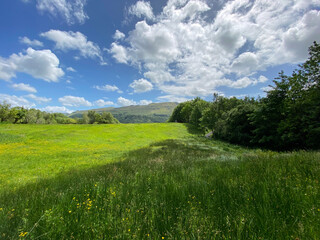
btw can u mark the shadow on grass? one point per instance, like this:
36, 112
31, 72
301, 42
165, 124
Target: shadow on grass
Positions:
171, 190
26, 205
192, 129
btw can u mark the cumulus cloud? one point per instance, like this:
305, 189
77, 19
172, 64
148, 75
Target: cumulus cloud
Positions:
72, 101
15, 101
38, 99
41, 64
71, 69
56, 109
141, 85
72, 11
74, 41
32, 43
119, 53
108, 88
102, 103
266, 89
145, 102
125, 102
171, 98
118, 35
191, 50
23, 87
141, 9
7, 69
245, 64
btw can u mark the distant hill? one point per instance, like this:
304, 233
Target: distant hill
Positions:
152, 113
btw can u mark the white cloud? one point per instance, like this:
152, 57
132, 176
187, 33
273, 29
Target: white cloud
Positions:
71, 69
72, 101
119, 53
125, 102
56, 109
23, 87
172, 98
32, 43
102, 103
300, 36
41, 64
245, 63
72, 11
7, 69
38, 99
74, 41
190, 50
141, 85
262, 79
241, 83
145, 102
108, 88
15, 101
141, 9
118, 35
266, 89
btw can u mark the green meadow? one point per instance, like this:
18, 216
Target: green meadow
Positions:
151, 181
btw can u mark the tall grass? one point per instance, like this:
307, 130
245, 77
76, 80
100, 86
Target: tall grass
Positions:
173, 189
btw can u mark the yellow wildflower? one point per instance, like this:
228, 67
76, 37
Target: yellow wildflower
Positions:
23, 234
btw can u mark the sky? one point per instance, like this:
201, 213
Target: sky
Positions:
68, 55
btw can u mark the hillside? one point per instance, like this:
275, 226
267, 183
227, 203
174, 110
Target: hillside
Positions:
152, 113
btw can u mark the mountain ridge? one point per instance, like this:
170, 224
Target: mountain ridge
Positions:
153, 112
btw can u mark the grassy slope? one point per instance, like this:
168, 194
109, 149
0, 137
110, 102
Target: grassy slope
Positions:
153, 109
190, 188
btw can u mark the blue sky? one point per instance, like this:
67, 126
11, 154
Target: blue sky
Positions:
67, 55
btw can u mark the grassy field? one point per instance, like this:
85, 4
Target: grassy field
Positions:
151, 181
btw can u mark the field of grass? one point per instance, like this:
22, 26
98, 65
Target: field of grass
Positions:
151, 181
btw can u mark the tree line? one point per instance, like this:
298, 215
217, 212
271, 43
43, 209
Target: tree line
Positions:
287, 118
20, 115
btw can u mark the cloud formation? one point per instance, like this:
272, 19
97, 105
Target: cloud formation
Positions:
118, 35
102, 103
74, 41
32, 43
141, 85
108, 88
190, 49
38, 99
141, 9
72, 101
23, 87
123, 102
41, 64
56, 109
15, 101
72, 11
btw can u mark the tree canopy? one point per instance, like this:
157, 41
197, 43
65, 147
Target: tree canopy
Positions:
287, 118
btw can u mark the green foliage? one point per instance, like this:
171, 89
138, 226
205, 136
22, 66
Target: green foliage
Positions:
189, 112
96, 118
287, 118
163, 188
20, 115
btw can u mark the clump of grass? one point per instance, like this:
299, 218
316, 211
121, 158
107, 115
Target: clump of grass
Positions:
173, 189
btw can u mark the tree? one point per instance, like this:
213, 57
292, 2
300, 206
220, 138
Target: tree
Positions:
85, 118
4, 111
198, 107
